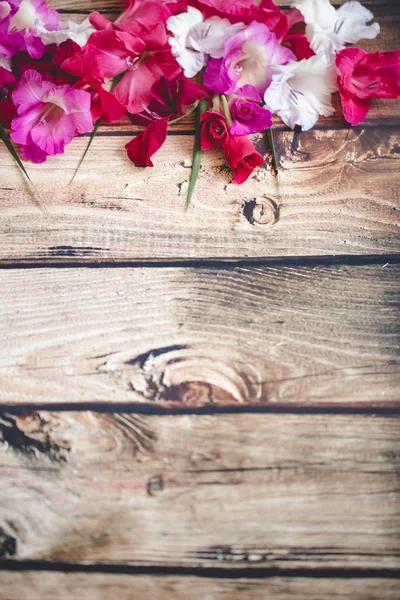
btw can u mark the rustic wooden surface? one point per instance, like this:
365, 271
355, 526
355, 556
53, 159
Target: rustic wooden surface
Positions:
129, 489
70, 586
291, 335
204, 405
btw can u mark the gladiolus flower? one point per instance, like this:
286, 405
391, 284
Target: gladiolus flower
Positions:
21, 25
363, 76
141, 61
247, 60
329, 29
244, 11
50, 116
194, 39
301, 91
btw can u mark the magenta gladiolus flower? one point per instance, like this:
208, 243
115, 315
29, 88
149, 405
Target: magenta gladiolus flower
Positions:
247, 114
363, 76
247, 60
50, 116
22, 22
142, 60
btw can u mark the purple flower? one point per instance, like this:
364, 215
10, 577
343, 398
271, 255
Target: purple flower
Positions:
50, 116
22, 22
247, 59
247, 114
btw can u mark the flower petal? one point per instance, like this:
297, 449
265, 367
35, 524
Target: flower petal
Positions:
148, 142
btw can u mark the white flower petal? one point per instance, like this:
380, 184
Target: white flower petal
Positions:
180, 25
329, 30
5, 63
77, 32
301, 91
191, 61
211, 35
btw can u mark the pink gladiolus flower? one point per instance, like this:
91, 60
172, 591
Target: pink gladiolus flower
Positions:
140, 15
247, 60
243, 11
247, 114
363, 76
50, 116
21, 24
141, 59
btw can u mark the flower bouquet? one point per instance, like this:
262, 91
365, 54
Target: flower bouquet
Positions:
235, 63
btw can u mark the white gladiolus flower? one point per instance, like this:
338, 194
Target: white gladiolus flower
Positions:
77, 32
329, 30
194, 40
301, 91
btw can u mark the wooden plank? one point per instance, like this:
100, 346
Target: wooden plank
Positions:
70, 586
314, 336
338, 194
273, 490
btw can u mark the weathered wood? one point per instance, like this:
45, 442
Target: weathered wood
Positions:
277, 336
70, 586
338, 194
281, 490
180, 336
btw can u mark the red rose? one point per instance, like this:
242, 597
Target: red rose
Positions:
214, 130
242, 157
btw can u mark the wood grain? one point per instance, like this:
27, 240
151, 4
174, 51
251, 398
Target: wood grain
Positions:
253, 491
309, 336
70, 586
338, 193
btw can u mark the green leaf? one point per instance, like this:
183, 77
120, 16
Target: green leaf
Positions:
116, 80
91, 138
6, 139
275, 162
197, 152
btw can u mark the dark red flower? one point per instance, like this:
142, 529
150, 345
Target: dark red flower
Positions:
143, 146
214, 131
363, 76
169, 100
242, 157
49, 66
8, 110
290, 33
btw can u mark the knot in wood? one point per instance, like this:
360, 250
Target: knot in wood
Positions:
262, 211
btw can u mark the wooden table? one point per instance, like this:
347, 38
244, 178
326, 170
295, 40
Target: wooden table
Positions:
204, 405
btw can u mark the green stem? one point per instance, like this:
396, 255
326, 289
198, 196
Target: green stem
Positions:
197, 152
6, 139
274, 164
91, 138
